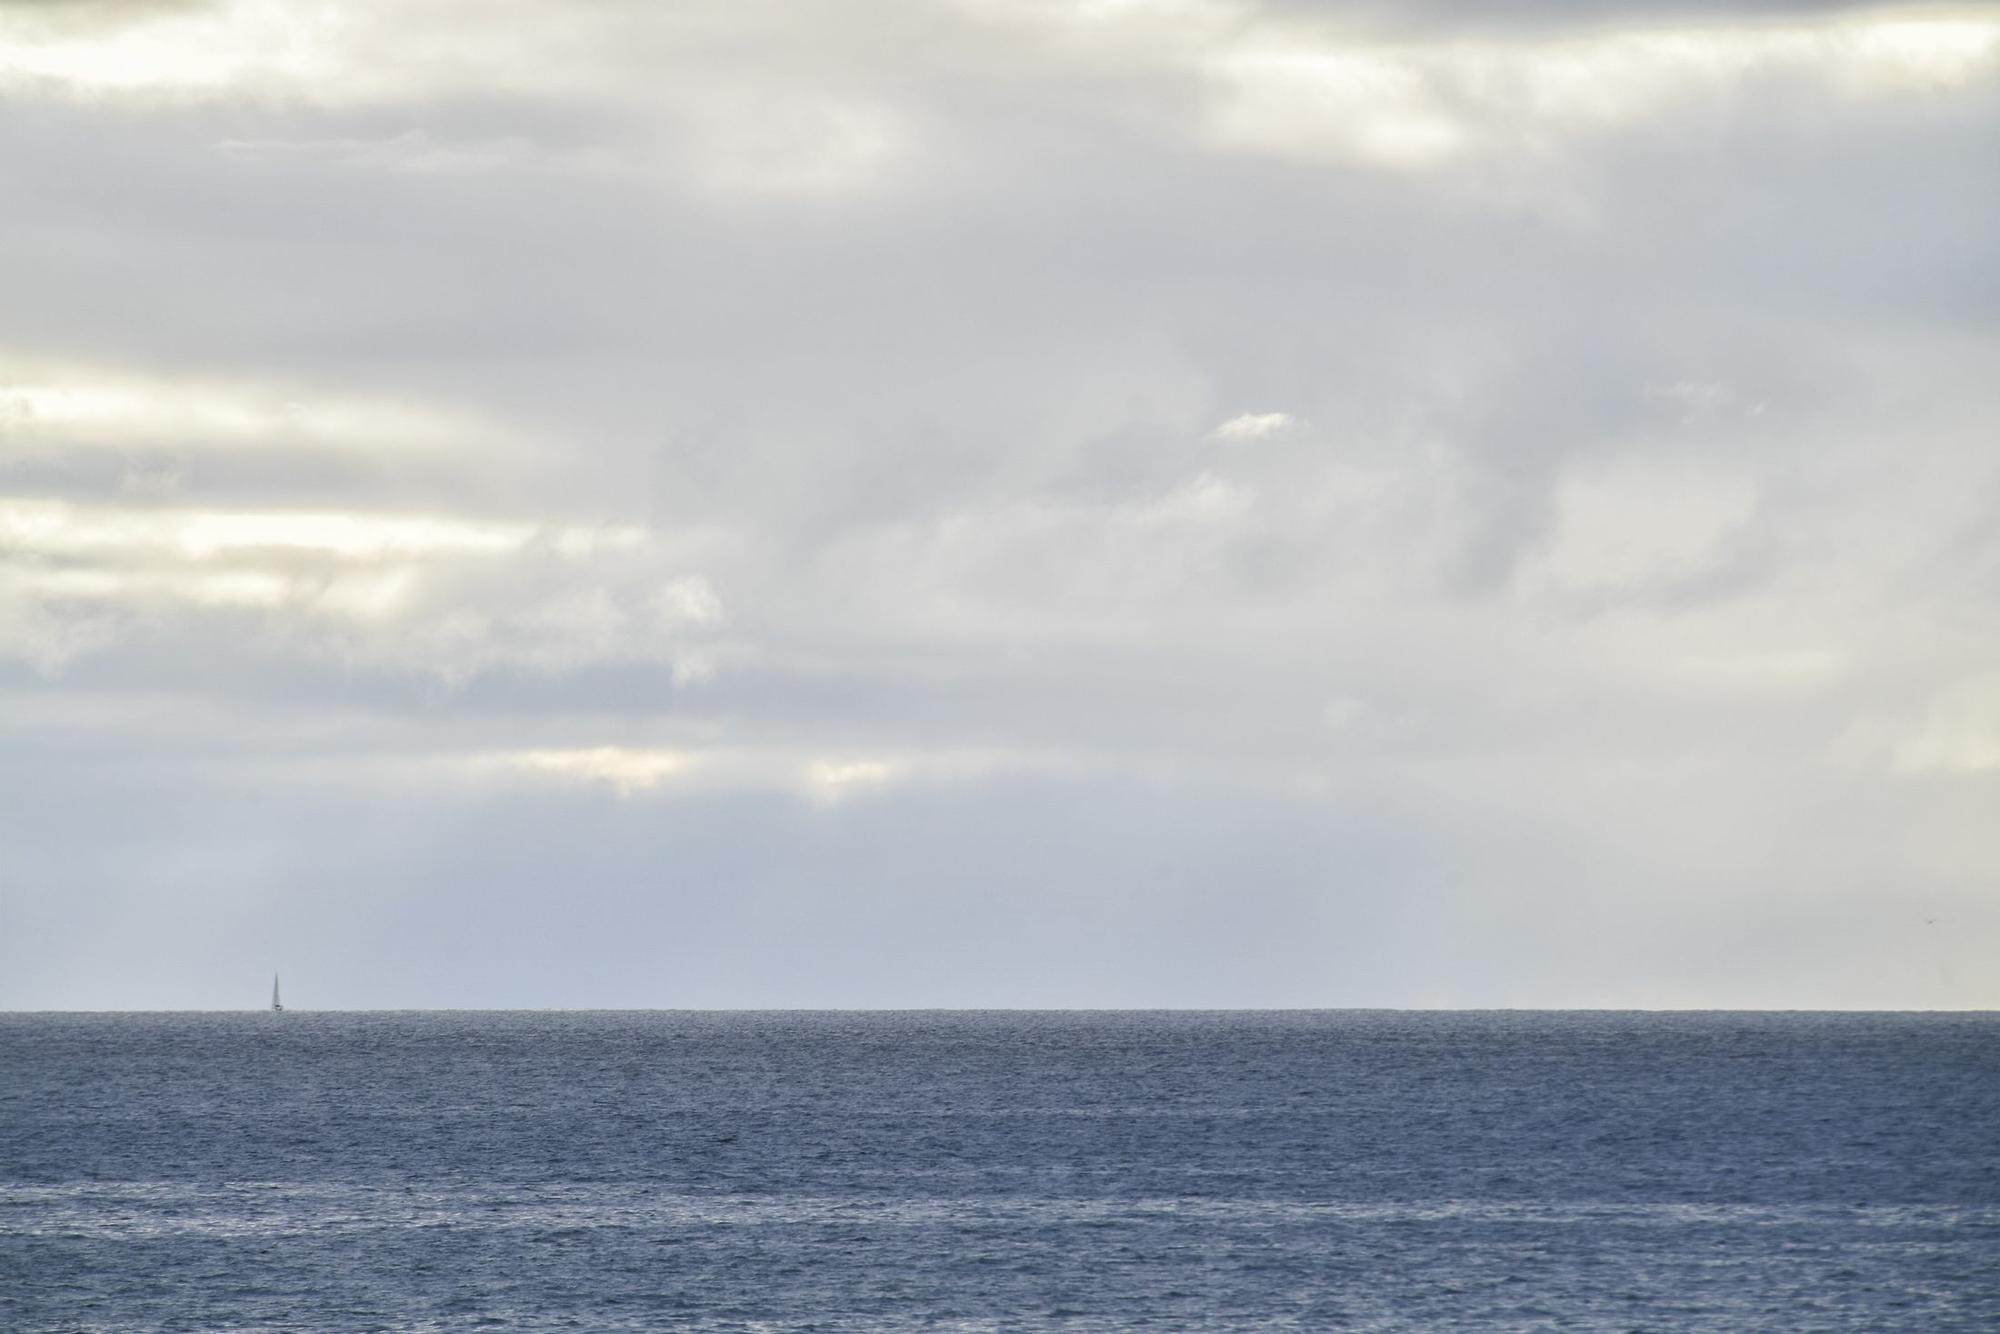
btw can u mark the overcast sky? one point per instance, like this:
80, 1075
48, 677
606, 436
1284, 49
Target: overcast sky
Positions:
999, 502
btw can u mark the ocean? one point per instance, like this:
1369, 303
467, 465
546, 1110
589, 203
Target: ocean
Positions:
1368, 1170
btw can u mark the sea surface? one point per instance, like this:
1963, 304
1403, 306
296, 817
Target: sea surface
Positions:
1000, 1170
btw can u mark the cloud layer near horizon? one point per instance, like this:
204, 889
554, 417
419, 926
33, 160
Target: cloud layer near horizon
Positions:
965, 503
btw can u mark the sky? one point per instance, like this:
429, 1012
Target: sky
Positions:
999, 503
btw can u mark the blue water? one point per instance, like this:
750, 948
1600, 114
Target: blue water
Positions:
1368, 1170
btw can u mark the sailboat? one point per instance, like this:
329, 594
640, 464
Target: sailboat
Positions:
277, 1006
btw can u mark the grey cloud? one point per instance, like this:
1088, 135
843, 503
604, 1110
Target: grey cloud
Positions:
72, 15
1633, 520
1446, 17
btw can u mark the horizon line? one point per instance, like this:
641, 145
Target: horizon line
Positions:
1040, 1009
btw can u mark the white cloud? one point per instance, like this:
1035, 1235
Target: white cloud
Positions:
681, 772
689, 601
703, 118
712, 763
1757, 669
1638, 524
1296, 92
625, 771
832, 780
207, 588
431, 593
1203, 499
1278, 84
1254, 426
53, 407
797, 145
59, 528
1960, 733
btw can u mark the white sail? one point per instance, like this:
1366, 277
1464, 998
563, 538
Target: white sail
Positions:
276, 1004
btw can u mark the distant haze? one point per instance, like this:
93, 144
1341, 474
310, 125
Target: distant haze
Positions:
988, 504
